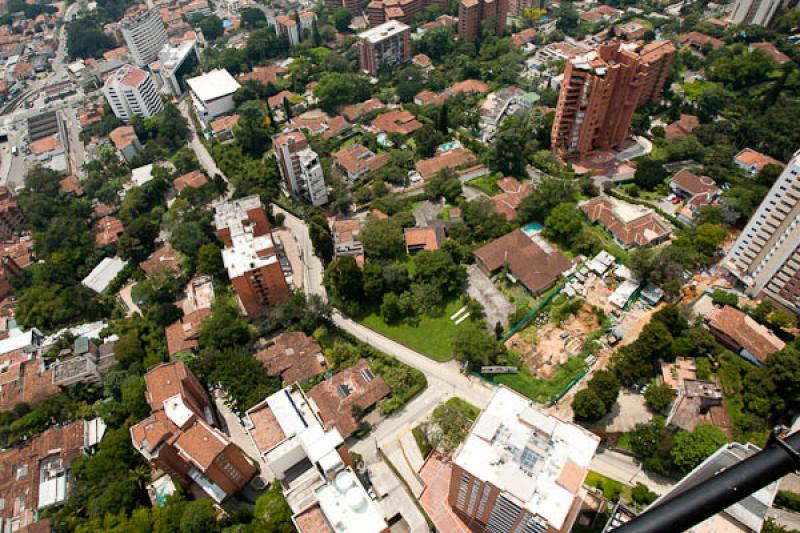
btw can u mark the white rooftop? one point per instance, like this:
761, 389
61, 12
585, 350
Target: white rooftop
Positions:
18, 340
384, 31
172, 56
348, 507
248, 253
623, 293
535, 458
213, 85
625, 212
103, 274
142, 175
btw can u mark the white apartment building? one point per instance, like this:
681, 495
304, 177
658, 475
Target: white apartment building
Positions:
131, 91
520, 469
755, 12
212, 94
144, 33
313, 466
175, 62
766, 257
300, 167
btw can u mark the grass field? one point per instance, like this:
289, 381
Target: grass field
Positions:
486, 183
609, 244
612, 489
694, 89
542, 390
431, 336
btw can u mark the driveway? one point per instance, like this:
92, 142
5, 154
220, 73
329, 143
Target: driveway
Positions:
292, 252
232, 426
629, 410
495, 305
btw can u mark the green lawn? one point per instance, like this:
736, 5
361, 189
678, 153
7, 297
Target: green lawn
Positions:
611, 487
624, 441
487, 183
431, 336
541, 390
610, 245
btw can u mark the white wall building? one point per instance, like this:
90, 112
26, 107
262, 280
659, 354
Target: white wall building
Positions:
212, 93
300, 167
144, 33
176, 62
766, 256
521, 469
756, 12
131, 91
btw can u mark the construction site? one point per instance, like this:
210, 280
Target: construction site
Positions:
545, 345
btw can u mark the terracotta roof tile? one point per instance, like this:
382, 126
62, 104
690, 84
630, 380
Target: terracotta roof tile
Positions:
294, 356
631, 225
535, 267
741, 330
336, 397
194, 179
397, 121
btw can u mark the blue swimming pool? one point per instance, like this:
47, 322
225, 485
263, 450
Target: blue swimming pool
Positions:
532, 228
446, 147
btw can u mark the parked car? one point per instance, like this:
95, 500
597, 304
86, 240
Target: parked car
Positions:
676, 200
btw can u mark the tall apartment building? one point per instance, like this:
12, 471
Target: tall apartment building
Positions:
144, 33
600, 91
286, 25
131, 91
387, 45
520, 469
249, 254
657, 56
179, 437
354, 6
300, 167
766, 257
11, 216
755, 12
471, 13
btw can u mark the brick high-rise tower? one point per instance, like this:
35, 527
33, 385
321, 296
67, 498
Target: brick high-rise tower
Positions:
600, 91
250, 255
471, 13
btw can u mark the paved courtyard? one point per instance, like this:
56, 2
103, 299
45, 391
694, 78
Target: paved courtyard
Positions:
436, 474
495, 305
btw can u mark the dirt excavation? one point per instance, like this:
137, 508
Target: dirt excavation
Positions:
544, 347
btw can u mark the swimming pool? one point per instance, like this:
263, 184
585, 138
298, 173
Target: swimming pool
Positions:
446, 147
532, 228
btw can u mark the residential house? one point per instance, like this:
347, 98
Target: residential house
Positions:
631, 225
357, 161
682, 127
183, 334
107, 230
451, 159
753, 162
421, 239
741, 333
193, 180
179, 437
507, 202
294, 356
355, 388
700, 402
126, 141
222, 128
529, 259
397, 121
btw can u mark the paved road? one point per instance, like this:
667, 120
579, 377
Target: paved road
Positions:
628, 470
312, 266
199, 149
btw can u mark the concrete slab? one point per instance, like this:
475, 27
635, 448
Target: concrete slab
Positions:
436, 475
495, 305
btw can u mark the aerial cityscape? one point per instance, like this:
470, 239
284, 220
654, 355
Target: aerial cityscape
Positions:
399, 266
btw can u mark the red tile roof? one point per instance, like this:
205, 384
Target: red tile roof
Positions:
163, 257
294, 356
194, 179
123, 136
397, 121
535, 267
107, 230
694, 184
631, 225
425, 238
336, 408
452, 159
741, 330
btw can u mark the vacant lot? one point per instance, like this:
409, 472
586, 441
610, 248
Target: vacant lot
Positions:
430, 335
